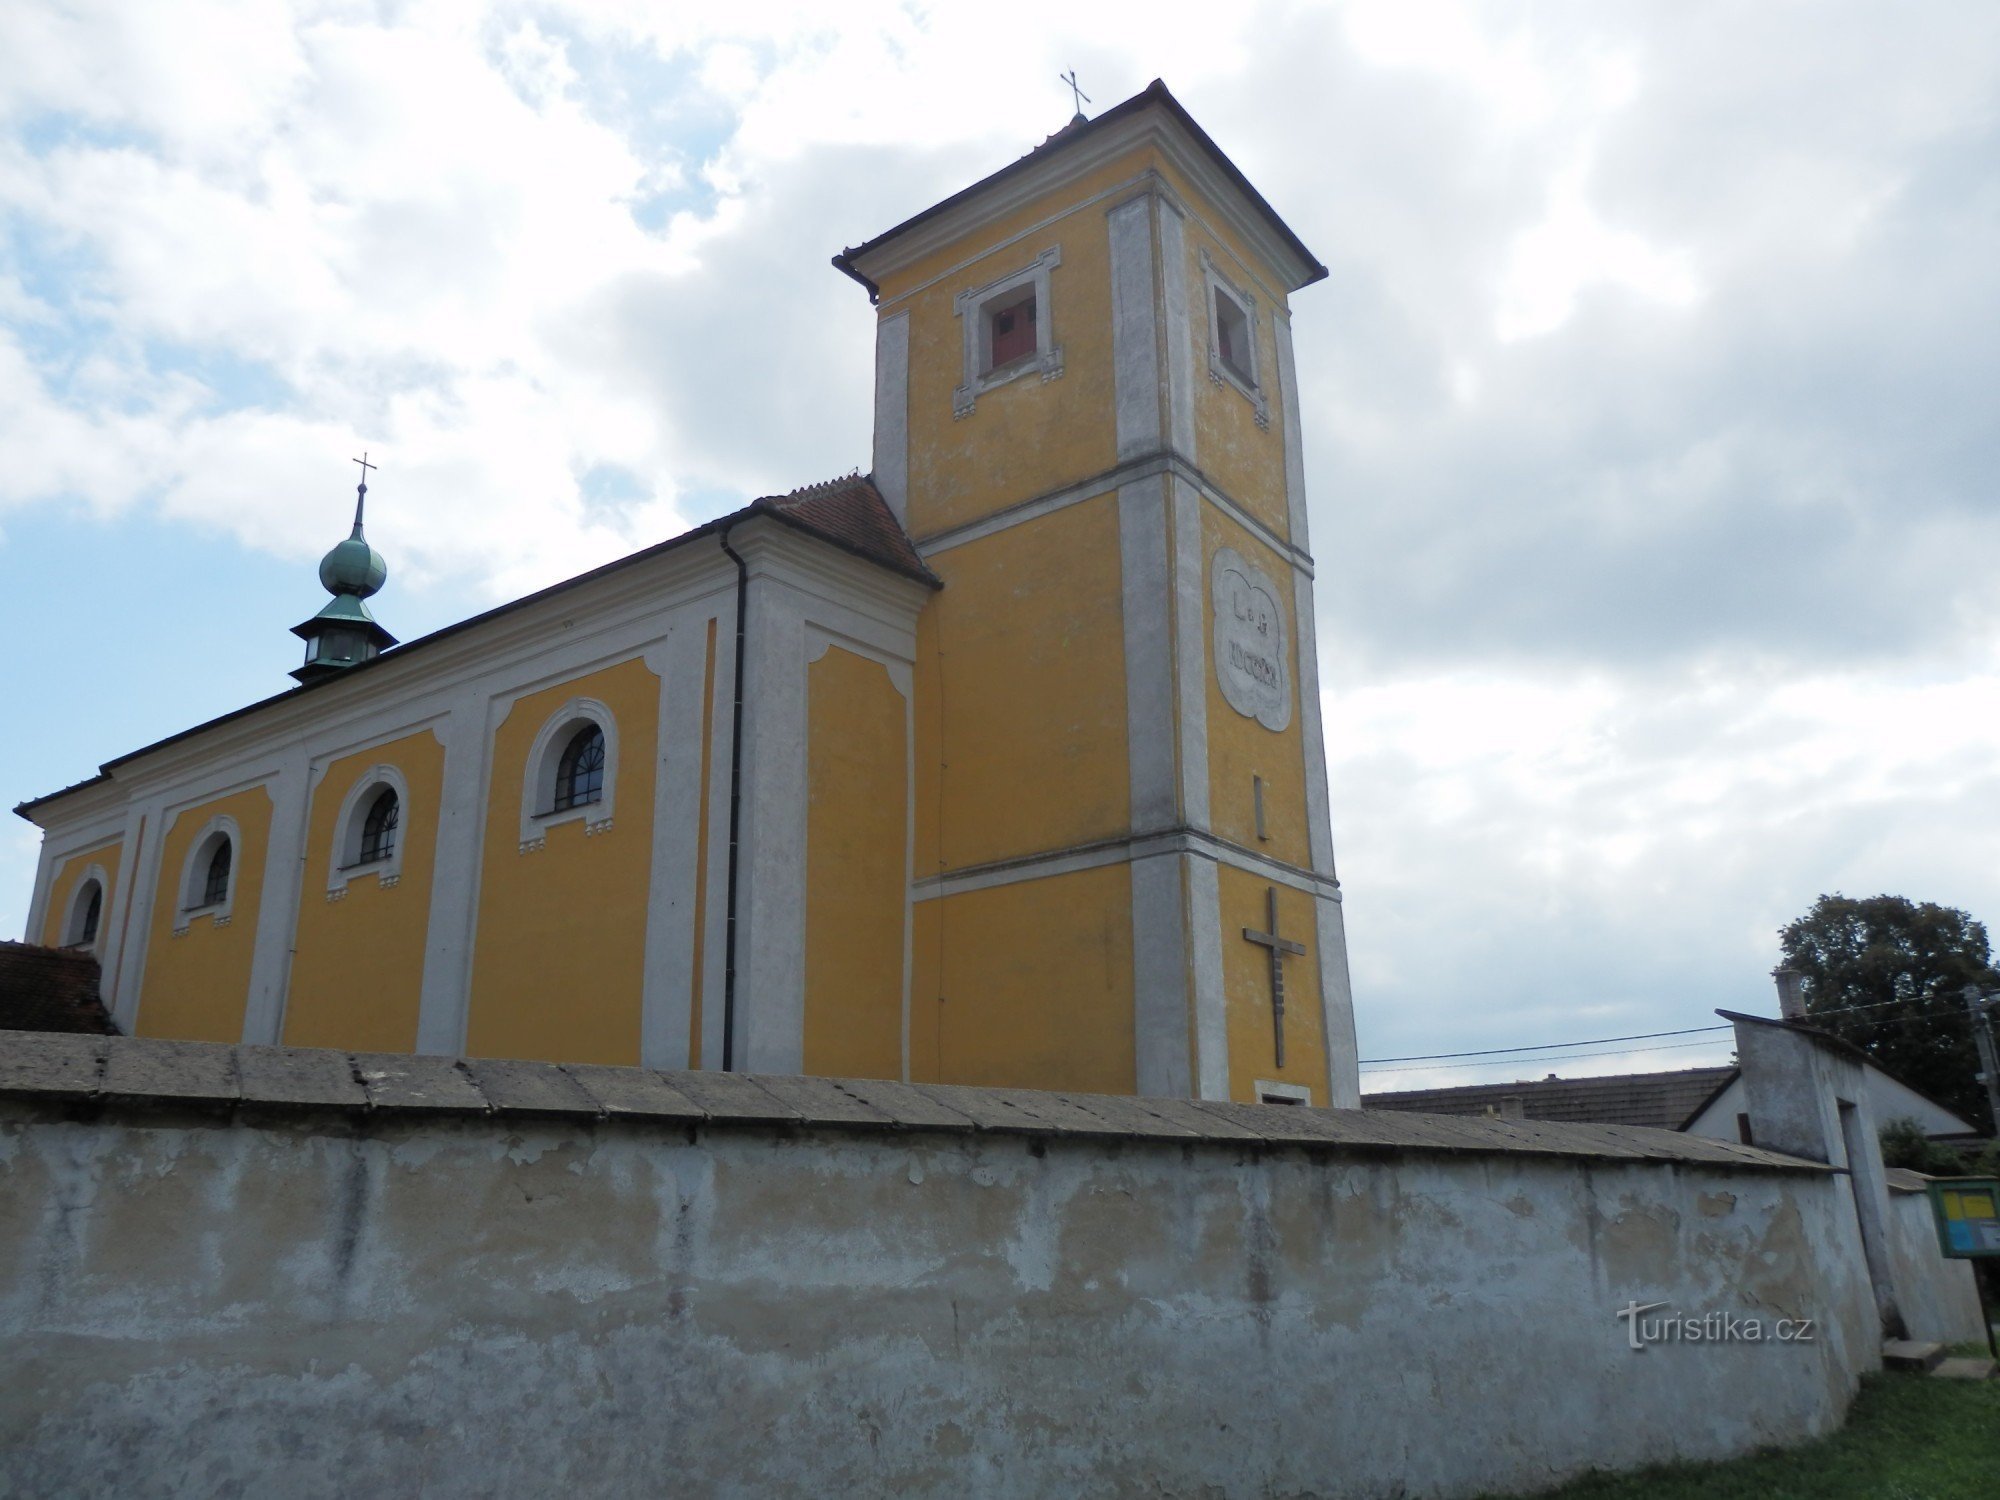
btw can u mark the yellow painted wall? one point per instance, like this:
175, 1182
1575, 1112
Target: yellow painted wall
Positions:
358, 962
1029, 436
857, 830
1239, 747
1020, 692
63, 886
197, 983
560, 952
1246, 976
1027, 985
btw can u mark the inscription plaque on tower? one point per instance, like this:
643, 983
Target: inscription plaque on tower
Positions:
1250, 651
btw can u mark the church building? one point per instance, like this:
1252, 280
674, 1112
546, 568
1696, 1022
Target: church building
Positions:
998, 765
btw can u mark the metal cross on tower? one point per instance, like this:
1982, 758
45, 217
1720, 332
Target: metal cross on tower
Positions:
1081, 97
361, 490
1279, 947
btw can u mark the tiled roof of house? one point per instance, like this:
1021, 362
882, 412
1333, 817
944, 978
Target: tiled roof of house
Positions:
1663, 1101
50, 989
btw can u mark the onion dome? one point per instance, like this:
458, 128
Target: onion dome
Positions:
344, 634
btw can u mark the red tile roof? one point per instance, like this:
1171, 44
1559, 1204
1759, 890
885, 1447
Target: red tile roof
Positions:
851, 513
50, 989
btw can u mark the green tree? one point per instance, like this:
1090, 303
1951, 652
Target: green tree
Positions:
1908, 962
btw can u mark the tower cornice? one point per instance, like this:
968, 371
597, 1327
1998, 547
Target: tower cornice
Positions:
1152, 117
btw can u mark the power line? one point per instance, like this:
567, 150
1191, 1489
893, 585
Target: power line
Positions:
1598, 1041
1644, 1036
1506, 1062
1517, 1062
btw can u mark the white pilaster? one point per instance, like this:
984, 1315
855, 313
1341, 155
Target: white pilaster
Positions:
665, 994
1146, 580
1191, 652
1174, 309
1336, 998
715, 909
278, 902
1211, 1013
118, 917
771, 893
447, 984
1288, 401
149, 851
1159, 977
1135, 355
892, 411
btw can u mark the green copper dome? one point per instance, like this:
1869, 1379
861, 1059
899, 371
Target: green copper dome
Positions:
344, 634
353, 567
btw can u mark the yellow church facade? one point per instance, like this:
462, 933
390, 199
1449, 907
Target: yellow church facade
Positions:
1000, 765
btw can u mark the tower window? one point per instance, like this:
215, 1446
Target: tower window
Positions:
93, 908
1013, 332
1232, 337
378, 829
215, 883
580, 773
1007, 333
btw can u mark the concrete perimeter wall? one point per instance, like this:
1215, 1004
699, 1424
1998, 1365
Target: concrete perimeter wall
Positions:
231, 1271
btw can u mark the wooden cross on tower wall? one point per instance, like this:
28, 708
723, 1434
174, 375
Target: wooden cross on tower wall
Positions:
1279, 947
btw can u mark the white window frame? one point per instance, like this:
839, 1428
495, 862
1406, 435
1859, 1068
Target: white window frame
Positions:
1220, 371
538, 786
194, 873
1269, 1092
93, 874
347, 830
973, 307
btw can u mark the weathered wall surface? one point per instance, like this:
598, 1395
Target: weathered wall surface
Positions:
1939, 1298
244, 1270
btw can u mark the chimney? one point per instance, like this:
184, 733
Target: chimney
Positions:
1791, 993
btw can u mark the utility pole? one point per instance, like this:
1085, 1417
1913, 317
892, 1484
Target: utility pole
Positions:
1976, 1007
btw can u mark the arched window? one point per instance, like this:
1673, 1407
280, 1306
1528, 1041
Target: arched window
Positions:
86, 908
215, 883
208, 873
378, 829
571, 775
368, 830
580, 772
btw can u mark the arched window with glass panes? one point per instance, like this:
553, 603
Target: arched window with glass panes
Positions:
580, 772
215, 880
378, 828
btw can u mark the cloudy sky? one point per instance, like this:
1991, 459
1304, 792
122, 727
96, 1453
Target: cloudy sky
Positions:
1650, 407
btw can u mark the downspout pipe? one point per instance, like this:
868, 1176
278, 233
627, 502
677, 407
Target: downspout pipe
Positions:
735, 812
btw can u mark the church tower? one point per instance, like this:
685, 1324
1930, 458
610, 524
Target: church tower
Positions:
1086, 418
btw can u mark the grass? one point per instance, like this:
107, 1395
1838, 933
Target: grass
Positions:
1906, 1438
